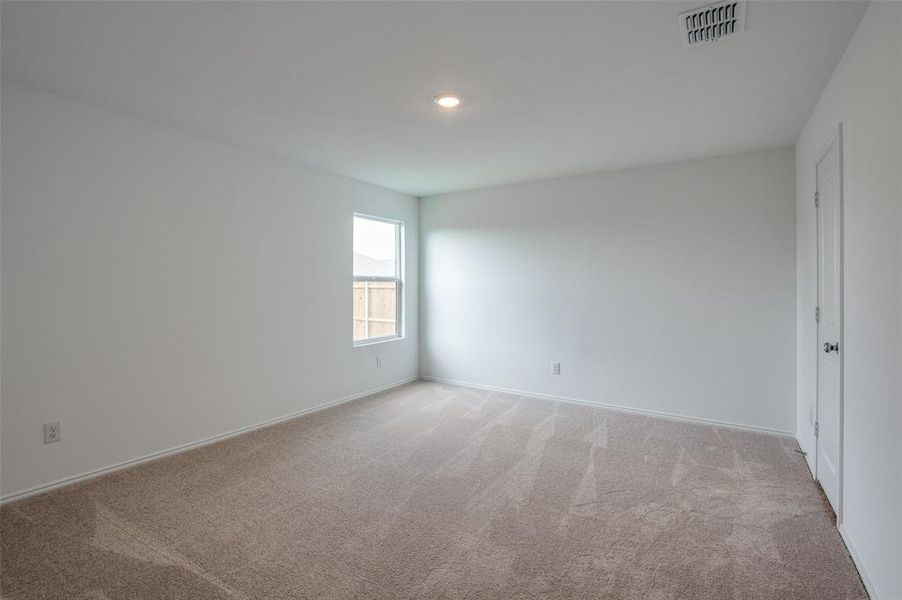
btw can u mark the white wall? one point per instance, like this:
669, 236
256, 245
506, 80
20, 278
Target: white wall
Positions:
668, 288
864, 94
160, 288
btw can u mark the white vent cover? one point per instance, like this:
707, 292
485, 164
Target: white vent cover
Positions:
712, 22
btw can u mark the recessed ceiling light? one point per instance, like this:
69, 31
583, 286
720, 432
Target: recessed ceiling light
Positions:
447, 100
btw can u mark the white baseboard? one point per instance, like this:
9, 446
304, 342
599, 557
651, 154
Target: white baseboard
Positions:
617, 407
809, 456
196, 444
865, 579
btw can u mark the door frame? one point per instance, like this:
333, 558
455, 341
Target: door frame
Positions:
835, 140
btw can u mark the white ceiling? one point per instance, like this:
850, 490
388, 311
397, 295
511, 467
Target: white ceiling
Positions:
551, 88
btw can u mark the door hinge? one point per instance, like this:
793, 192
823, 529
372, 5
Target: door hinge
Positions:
817, 314
817, 198
817, 429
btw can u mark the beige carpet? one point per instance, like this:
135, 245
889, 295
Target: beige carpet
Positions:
434, 491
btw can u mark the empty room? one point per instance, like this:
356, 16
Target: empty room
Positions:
451, 300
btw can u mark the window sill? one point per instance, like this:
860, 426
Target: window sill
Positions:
375, 341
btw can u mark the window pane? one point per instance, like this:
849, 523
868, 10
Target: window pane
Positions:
375, 309
374, 248
359, 311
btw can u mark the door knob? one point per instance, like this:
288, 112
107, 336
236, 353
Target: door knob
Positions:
828, 347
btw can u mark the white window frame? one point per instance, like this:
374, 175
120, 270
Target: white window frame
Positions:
398, 280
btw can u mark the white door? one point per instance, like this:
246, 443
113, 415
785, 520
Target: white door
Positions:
828, 424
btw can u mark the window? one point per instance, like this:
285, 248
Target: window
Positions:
377, 279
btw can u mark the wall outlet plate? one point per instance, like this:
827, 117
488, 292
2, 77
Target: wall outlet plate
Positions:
378, 362
52, 432
555, 368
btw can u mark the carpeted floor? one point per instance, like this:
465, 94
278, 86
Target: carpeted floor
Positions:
435, 491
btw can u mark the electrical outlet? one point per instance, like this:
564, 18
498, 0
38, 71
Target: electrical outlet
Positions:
378, 362
52, 432
555, 368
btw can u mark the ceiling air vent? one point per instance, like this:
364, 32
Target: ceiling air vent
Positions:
713, 22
